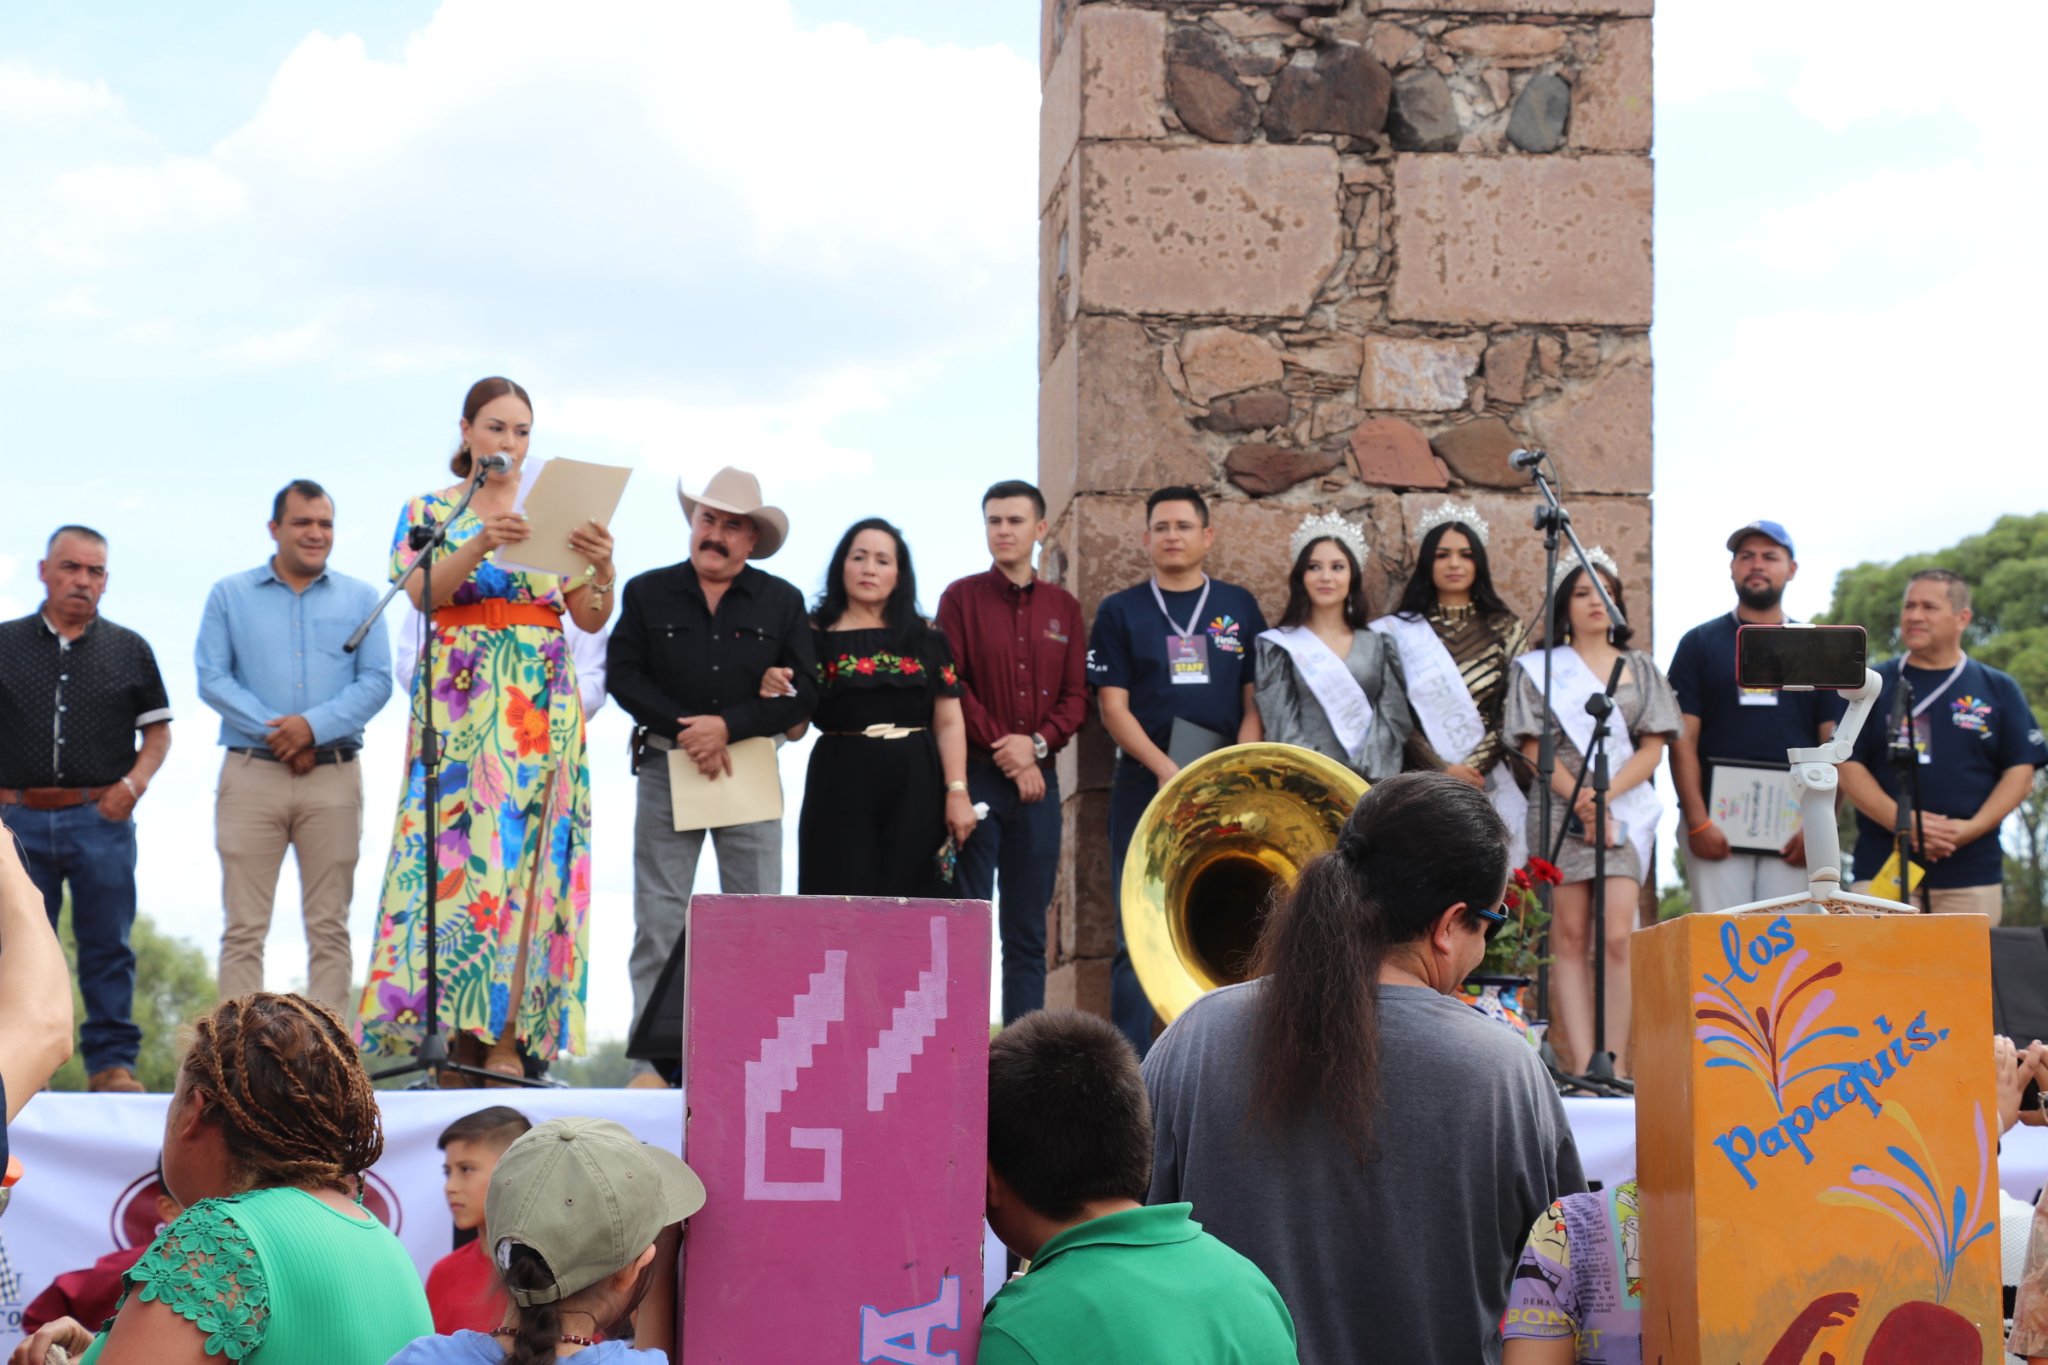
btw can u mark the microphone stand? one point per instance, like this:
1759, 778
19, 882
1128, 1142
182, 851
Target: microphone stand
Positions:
1599, 1077
1909, 825
430, 1056
1553, 520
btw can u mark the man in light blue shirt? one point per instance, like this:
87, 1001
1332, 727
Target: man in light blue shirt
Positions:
293, 706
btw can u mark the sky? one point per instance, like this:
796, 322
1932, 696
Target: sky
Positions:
241, 243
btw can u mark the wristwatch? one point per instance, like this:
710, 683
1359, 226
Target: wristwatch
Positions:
1039, 747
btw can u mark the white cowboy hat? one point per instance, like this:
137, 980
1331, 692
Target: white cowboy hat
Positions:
736, 491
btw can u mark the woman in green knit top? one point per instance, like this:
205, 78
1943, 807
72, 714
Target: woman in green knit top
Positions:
274, 1261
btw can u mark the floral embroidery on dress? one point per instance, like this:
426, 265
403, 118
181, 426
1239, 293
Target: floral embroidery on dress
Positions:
203, 1268
883, 664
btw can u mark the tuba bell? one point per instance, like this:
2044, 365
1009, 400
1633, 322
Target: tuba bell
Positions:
1208, 853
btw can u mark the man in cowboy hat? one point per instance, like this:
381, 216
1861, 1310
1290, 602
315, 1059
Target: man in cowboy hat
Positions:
686, 661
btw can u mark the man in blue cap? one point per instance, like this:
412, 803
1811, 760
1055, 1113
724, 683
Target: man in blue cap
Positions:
1728, 724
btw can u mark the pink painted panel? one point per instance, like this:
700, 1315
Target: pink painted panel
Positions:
836, 1076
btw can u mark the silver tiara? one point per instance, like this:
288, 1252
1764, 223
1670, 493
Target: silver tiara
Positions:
1331, 525
1600, 560
1448, 513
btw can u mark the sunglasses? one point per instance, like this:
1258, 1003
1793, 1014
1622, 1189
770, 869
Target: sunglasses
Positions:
1494, 920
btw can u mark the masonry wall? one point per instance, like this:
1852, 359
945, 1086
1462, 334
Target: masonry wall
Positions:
1340, 256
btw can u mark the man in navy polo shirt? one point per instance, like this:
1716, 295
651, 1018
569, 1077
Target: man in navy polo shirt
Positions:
1177, 647
1726, 723
1978, 749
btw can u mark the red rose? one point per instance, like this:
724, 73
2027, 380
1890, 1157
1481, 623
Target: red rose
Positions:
1544, 871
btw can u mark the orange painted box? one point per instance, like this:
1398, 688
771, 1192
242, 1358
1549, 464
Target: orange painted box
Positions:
1817, 1139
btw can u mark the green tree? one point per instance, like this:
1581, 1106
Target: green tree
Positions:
605, 1068
2007, 569
174, 985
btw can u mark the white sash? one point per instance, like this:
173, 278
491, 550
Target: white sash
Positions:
1329, 677
1436, 690
1571, 684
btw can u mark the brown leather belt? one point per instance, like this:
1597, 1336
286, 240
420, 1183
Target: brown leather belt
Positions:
49, 798
321, 757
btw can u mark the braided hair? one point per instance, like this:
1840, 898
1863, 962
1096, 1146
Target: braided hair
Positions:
540, 1327
293, 1101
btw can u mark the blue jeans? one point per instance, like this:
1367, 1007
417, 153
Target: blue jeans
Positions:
1020, 843
1130, 791
97, 857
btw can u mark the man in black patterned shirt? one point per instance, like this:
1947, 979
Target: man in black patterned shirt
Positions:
74, 692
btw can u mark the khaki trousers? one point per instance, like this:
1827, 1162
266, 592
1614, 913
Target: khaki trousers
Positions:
261, 810
1986, 900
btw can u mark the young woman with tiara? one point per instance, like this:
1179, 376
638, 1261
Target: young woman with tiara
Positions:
1584, 646
1326, 682
1457, 641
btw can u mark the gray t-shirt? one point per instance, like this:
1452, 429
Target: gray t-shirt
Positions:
1406, 1260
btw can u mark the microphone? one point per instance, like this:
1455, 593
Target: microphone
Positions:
1526, 459
495, 463
1600, 703
1901, 699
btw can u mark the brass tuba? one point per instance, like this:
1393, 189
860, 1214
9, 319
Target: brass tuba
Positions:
1208, 853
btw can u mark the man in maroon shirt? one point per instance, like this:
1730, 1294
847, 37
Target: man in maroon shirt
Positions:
1021, 649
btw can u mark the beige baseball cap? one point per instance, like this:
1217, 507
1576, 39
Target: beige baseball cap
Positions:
587, 1197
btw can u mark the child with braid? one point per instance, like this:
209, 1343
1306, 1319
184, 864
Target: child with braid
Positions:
576, 1211
274, 1261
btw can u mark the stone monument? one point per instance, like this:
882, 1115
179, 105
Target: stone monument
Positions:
1344, 255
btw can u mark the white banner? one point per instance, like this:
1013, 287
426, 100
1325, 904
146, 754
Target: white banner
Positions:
86, 1158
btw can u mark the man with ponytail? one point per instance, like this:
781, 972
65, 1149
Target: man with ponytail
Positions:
1375, 1146
576, 1211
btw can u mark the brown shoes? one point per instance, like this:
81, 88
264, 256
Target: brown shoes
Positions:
115, 1080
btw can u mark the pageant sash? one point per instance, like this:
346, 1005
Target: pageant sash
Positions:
1329, 678
1436, 690
1571, 683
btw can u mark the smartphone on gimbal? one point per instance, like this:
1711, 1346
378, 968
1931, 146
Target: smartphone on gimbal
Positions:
1801, 658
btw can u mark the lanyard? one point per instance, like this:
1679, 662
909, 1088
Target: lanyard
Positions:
1194, 620
1935, 695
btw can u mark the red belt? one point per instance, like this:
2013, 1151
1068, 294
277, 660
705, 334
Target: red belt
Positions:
49, 798
495, 613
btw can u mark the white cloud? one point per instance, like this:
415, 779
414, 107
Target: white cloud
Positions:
31, 96
178, 194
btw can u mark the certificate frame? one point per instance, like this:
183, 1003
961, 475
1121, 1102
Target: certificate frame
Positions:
1754, 804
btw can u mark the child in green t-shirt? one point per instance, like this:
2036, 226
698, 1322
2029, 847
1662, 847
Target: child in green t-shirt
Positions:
1069, 1163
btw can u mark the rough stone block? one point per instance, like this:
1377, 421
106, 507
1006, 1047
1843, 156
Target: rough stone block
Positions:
1204, 89
1418, 374
1522, 239
1613, 111
1260, 468
1108, 421
1087, 763
1248, 412
1598, 430
1423, 116
1507, 367
1250, 548
1541, 110
1393, 45
1507, 44
1084, 923
1218, 360
1329, 353
1587, 7
1109, 81
1388, 452
1251, 231
1082, 984
1478, 452
1344, 89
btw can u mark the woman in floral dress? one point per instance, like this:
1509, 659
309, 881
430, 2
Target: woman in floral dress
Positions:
513, 855
888, 776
